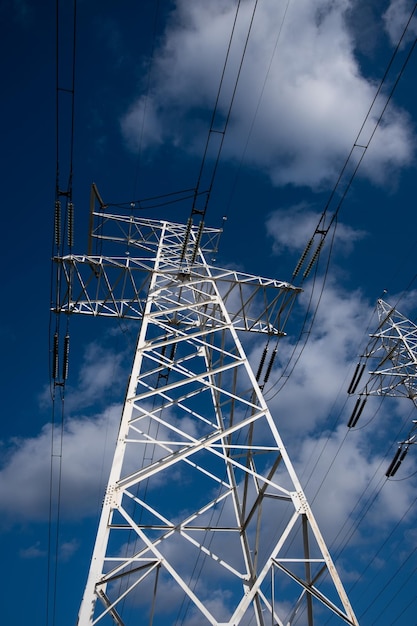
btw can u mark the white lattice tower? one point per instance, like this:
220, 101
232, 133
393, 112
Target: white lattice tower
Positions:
391, 357
204, 520
391, 360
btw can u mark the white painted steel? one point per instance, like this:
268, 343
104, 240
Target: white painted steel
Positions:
204, 517
392, 351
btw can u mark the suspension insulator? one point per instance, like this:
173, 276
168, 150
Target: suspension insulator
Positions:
261, 363
357, 412
396, 461
270, 364
66, 356
356, 378
314, 258
70, 232
57, 223
55, 358
186, 238
197, 242
303, 257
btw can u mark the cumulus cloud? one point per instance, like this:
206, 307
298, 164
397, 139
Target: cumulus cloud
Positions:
310, 399
86, 456
33, 552
29, 467
292, 228
340, 473
396, 18
301, 97
102, 371
308, 396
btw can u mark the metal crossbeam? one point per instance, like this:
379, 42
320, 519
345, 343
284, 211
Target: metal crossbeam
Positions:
202, 500
118, 286
390, 357
390, 363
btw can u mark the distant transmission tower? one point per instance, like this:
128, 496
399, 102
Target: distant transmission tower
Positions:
391, 357
204, 520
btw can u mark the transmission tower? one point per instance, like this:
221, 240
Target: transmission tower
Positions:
204, 520
391, 357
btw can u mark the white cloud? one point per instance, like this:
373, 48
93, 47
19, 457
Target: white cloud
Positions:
32, 552
136, 131
340, 475
101, 371
86, 456
67, 549
300, 115
216, 603
292, 228
86, 452
396, 18
404, 303
317, 382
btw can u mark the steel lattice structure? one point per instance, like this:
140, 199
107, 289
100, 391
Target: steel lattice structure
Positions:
204, 517
391, 356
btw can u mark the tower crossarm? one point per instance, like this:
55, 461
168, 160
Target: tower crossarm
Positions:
392, 355
202, 496
118, 287
145, 234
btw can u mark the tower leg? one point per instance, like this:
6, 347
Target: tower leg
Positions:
204, 518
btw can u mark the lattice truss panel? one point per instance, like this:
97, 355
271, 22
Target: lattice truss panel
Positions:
204, 520
118, 286
390, 359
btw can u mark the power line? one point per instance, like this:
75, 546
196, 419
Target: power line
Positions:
146, 97
322, 229
222, 132
311, 252
62, 240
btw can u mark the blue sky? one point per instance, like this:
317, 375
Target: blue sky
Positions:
145, 88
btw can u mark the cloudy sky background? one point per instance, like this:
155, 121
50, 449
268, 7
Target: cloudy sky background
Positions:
146, 85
